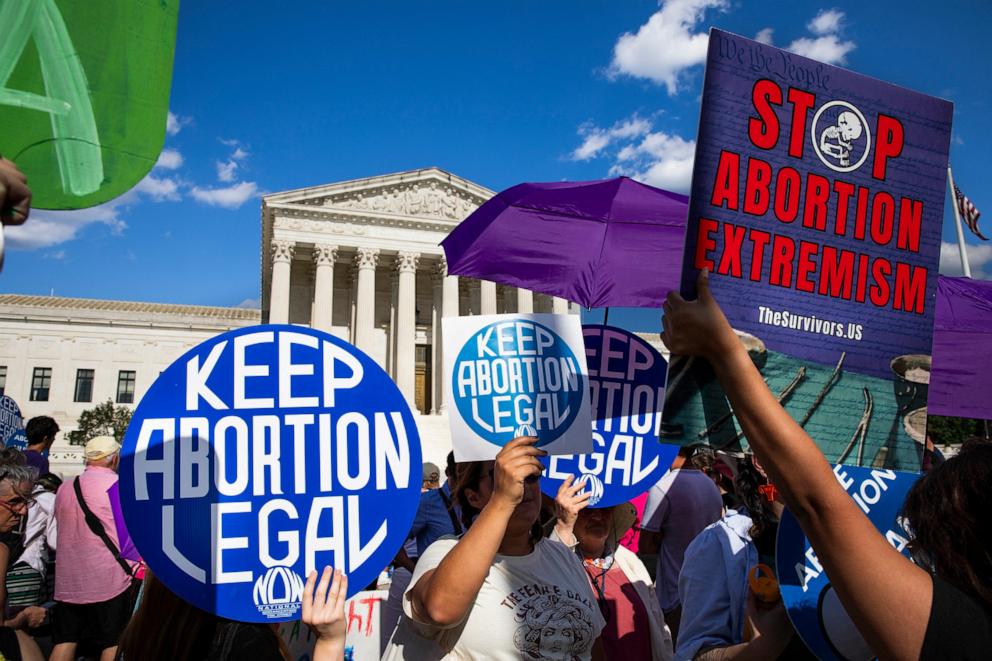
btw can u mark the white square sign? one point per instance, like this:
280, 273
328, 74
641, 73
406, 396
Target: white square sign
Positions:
510, 375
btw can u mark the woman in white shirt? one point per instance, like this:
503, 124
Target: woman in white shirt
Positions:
500, 591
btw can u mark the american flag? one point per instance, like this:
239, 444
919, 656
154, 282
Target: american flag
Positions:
969, 213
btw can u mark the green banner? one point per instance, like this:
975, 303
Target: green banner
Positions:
84, 94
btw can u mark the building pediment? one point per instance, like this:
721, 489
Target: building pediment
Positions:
428, 193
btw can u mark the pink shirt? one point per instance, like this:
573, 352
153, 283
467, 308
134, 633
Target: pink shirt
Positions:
627, 634
87, 572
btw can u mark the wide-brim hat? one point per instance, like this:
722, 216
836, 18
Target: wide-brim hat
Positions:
100, 447
624, 517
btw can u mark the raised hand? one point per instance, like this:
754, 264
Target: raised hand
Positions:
515, 463
323, 612
570, 500
696, 328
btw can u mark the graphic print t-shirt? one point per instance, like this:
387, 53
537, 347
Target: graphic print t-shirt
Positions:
536, 606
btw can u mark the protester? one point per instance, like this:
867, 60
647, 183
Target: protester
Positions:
437, 516
26, 585
432, 476
16, 480
939, 608
94, 586
165, 627
720, 617
635, 626
679, 506
501, 591
41, 431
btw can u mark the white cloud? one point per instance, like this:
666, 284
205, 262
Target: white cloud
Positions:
829, 49
249, 304
826, 22
826, 45
164, 189
226, 170
667, 45
57, 254
174, 123
764, 36
169, 159
230, 197
48, 228
597, 139
979, 257
239, 154
658, 158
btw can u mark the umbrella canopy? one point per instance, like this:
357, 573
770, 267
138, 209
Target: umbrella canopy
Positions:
612, 242
962, 349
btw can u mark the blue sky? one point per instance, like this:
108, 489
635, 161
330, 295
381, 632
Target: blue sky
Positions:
273, 96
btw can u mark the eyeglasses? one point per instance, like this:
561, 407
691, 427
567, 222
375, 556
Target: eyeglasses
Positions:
18, 504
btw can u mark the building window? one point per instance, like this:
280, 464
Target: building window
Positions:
41, 383
125, 387
84, 386
3, 379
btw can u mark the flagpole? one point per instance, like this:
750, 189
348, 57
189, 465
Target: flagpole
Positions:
957, 224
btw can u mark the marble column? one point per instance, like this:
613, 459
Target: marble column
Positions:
525, 301
323, 286
487, 297
437, 362
450, 307
406, 323
282, 259
559, 305
366, 259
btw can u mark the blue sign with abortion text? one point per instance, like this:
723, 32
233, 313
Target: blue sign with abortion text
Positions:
261, 455
626, 391
11, 420
812, 603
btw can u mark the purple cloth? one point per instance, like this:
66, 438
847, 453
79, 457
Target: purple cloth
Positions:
962, 349
38, 460
613, 242
128, 550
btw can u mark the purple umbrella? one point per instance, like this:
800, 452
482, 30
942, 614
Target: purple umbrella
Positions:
128, 550
613, 242
962, 349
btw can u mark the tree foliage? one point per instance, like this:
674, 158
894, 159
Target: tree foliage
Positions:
954, 431
104, 419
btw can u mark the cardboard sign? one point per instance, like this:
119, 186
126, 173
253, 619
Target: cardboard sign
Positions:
812, 603
87, 86
261, 455
511, 375
362, 634
817, 205
11, 420
626, 391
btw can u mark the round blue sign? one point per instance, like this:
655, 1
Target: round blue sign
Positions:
260, 455
517, 374
627, 391
10, 419
812, 603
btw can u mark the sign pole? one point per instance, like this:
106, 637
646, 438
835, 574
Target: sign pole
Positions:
957, 224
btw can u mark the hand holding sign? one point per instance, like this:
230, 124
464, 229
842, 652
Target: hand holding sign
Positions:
323, 611
516, 464
569, 501
699, 327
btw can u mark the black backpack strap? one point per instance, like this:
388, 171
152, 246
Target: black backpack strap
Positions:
451, 511
97, 528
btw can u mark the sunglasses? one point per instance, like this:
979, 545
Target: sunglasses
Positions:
530, 479
17, 505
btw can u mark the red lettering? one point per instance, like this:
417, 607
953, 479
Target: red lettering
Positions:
859, 294
815, 210
881, 269
763, 129
787, 190
836, 273
910, 220
726, 186
705, 243
844, 191
911, 288
759, 239
733, 238
890, 137
883, 209
783, 250
801, 103
756, 193
861, 214
805, 265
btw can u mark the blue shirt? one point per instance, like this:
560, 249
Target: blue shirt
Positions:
433, 521
713, 586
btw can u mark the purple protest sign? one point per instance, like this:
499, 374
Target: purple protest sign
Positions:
816, 203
